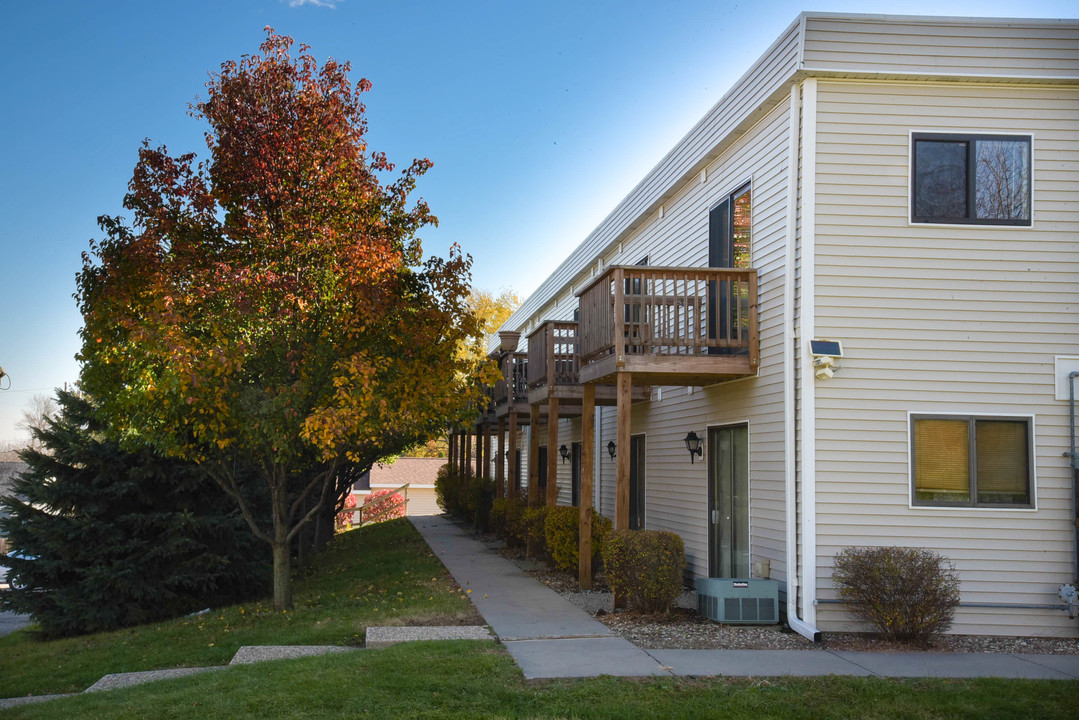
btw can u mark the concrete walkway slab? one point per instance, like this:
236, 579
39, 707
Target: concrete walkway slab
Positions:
582, 658
1067, 664
122, 680
248, 654
954, 665
30, 699
514, 605
379, 637
755, 663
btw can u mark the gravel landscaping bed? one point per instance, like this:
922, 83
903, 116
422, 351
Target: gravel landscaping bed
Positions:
685, 630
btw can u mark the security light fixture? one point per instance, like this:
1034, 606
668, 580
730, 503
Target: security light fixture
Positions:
564, 452
693, 444
610, 449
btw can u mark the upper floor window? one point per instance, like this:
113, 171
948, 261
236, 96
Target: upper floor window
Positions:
978, 179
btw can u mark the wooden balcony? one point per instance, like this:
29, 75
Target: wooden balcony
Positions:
669, 326
554, 369
511, 391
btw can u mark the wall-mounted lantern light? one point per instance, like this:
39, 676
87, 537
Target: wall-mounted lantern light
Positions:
611, 449
564, 452
693, 444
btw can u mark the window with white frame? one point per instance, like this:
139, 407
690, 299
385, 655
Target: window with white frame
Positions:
971, 461
975, 179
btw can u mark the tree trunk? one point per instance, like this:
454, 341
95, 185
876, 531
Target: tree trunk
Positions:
282, 570
282, 576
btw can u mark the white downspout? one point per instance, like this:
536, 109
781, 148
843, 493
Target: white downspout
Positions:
803, 622
807, 329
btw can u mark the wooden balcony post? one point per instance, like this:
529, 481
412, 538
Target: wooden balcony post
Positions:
549, 334
533, 455
619, 309
754, 324
552, 448
468, 453
487, 451
588, 457
621, 503
500, 461
512, 481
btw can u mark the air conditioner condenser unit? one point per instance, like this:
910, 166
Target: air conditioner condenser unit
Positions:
742, 601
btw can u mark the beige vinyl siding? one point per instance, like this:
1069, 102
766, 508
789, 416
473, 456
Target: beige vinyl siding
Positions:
676, 491
944, 319
942, 46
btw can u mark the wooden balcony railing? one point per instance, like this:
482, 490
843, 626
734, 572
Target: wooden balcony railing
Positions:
552, 355
514, 380
643, 311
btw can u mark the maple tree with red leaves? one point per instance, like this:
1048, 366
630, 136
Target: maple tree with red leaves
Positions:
267, 310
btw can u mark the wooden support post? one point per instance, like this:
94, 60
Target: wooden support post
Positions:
468, 454
512, 481
588, 457
487, 451
621, 492
533, 455
451, 442
479, 453
500, 461
552, 452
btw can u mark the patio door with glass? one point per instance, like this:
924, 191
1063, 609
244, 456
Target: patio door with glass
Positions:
728, 501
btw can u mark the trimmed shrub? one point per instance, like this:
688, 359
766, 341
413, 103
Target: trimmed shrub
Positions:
645, 567
908, 594
534, 530
563, 536
496, 521
481, 494
514, 532
452, 490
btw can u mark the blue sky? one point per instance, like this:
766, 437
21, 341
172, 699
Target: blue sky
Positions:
539, 117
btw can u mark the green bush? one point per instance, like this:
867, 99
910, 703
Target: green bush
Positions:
496, 521
514, 532
908, 594
452, 491
645, 567
534, 530
563, 536
478, 502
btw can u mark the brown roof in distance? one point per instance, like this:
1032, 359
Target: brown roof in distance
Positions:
416, 471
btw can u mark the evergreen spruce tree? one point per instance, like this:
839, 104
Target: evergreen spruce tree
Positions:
111, 538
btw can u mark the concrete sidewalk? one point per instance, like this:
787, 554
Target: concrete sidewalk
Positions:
549, 637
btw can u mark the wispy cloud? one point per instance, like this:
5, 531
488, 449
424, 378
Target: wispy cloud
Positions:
317, 3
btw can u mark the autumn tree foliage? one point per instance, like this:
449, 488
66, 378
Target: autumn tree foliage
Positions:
268, 308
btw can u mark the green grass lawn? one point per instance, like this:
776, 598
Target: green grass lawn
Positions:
479, 680
383, 574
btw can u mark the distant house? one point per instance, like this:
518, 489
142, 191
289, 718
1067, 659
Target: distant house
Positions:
418, 472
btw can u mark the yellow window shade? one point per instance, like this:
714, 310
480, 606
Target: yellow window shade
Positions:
942, 456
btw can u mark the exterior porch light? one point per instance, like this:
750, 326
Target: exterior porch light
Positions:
693, 444
564, 452
610, 449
